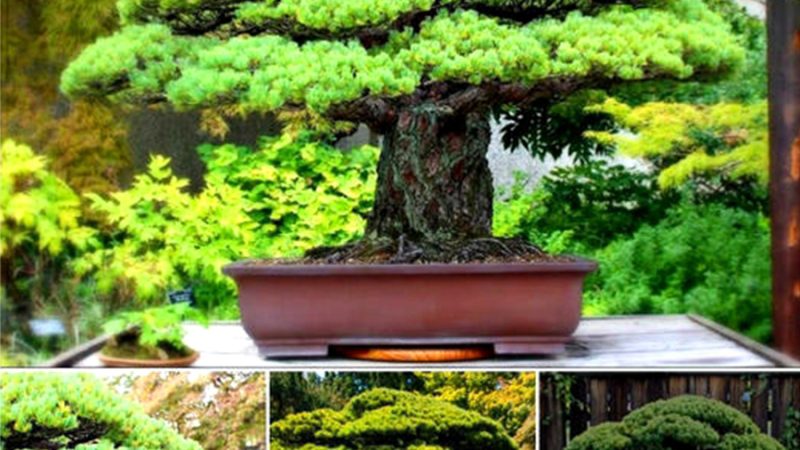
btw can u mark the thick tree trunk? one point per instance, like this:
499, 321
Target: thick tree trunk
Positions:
434, 182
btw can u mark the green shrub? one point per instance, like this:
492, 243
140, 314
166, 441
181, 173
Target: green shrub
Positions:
164, 238
686, 422
40, 232
389, 419
278, 200
590, 204
709, 260
48, 410
302, 193
791, 429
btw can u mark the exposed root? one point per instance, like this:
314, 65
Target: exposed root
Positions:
405, 251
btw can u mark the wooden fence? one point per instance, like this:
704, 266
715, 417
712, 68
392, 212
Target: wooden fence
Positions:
598, 398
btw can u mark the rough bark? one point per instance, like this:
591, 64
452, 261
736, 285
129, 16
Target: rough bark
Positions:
434, 182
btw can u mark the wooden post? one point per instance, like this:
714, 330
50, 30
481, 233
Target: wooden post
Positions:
783, 24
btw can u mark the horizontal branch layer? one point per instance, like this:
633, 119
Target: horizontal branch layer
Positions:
304, 20
151, 63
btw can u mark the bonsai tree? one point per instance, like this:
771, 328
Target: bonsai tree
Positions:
57, 410
386, 418
153, 333
686, 422
426, 74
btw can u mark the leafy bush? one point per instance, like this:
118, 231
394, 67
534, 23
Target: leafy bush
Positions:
791, 429
46, 410
385, 418
681, 422
710, 260
40, 232
285, 197
591, 204
301, 192
164, 238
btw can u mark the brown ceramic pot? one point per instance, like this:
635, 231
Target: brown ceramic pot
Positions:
112, 361
303, 310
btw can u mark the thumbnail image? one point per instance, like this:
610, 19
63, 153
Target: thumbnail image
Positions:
403, 410
631, 411
133, 410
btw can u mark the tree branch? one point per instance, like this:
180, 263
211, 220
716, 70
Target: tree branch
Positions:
45, 438
221, 21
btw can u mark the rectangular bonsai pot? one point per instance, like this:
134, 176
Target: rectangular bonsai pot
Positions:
303, 310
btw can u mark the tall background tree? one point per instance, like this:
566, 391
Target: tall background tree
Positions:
87, 143
424, 73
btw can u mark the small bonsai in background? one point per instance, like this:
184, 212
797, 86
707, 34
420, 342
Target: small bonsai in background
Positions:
150, 334
686, 422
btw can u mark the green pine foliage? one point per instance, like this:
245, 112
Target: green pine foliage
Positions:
680, 422
47, 410
389, 419
154, 59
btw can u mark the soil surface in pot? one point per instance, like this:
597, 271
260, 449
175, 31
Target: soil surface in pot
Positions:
404, 251
126, 345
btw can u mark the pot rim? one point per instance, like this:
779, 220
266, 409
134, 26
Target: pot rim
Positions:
115, 361
248, 268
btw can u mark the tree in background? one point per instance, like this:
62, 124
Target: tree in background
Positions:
719, 151
57, 410
509, 398
219, 410
385, 418
425, 74
86, 142
294, 392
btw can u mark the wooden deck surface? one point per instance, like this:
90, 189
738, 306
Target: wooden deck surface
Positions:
629, 342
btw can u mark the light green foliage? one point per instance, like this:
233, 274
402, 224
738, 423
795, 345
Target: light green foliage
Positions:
39, 213
676, 38
686, 141
41, 229
746, 85
288, 195
155, 327
57, 409
508, 398
165, 238
681, 422
709, 260
384, 418
302, 193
